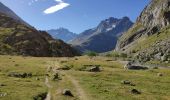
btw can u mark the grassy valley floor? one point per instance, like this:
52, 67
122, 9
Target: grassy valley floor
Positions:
84, 85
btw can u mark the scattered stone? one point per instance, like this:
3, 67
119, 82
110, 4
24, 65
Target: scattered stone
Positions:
63, 62
2, 84
133, 67
37, 78
66, 67
76, 59
126, 82
132, 84
67, 92
40, 96
90, 68
95, 69
3, 94
160, 74
47, 75
20, 75
135, 91
55, 76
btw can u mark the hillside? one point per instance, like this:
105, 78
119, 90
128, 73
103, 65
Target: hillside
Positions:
103, 38
63, 34
149, 38
17, 38
10, 13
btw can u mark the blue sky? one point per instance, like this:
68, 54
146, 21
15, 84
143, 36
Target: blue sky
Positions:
76, 15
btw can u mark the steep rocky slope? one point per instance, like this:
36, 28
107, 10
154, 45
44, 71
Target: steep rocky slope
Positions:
10, 13
103, 38
63, 34
149, 38
18, 39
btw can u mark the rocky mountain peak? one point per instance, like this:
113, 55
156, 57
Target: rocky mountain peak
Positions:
103, 38
112, 23
62, 33
156, 14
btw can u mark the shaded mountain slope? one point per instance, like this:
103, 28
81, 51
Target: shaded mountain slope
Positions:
18, 39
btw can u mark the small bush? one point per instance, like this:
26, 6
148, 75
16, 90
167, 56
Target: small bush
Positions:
91, 53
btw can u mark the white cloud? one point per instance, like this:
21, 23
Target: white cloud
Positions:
61, 5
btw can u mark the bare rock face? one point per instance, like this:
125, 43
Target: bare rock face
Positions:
151, 29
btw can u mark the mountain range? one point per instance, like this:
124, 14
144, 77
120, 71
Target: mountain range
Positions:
102, 38
63, 34
19, 38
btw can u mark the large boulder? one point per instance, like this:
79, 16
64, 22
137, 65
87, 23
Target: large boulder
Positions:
131, 66
135, 91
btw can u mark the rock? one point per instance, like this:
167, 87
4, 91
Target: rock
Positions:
135, 91
65, 67
160, 74
76, 59
3, 94
95, 69
56, 76
20, 75
132, 84
125, 82
37, 78
136, 67
67, 92
164, 57
40, 96
2, 84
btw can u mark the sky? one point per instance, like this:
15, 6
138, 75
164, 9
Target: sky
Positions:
75, 15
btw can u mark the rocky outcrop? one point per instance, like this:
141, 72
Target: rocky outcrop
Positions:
149, 36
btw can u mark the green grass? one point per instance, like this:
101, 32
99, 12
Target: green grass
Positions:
77, 63
21, 88
104, 85
107, 84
